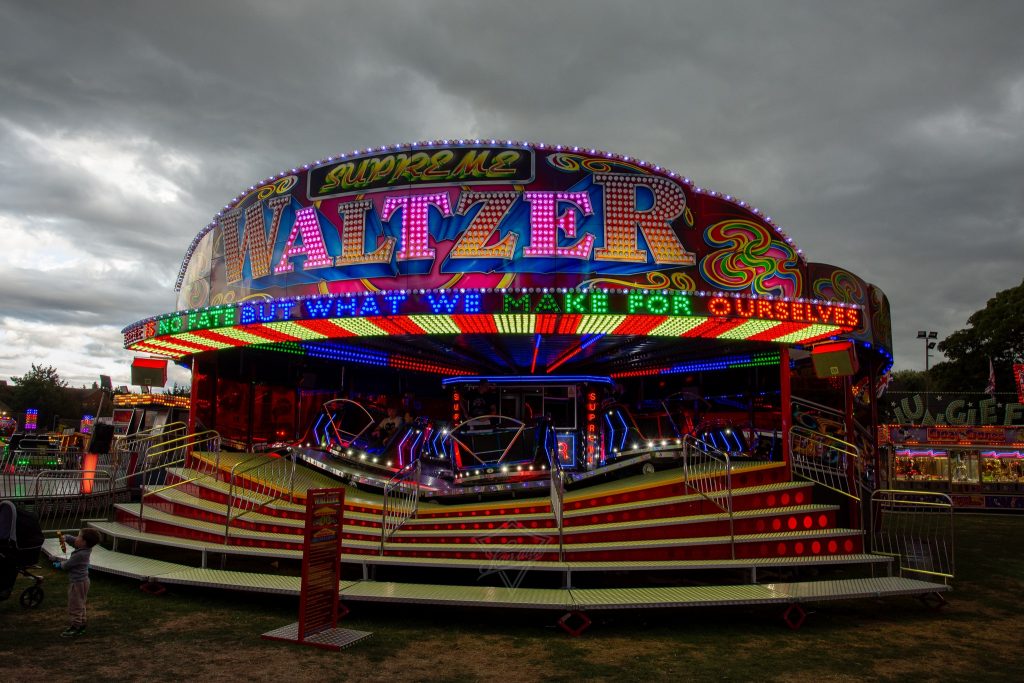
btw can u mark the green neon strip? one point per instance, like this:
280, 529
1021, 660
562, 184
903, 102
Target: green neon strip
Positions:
749, 329
436, 324
168, 343
290, 328
196, 339
282, 347
807, 334
515, 323
360, 327
599, 324
241, 335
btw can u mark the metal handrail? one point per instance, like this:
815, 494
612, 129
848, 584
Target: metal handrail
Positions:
557, 494
401, 500
260, 484
179, 450
707, 480
796, 400
141, 443
814, 466
188, 441
916, 528
126, 442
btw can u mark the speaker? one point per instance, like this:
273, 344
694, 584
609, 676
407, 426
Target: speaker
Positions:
149, 372
834, 359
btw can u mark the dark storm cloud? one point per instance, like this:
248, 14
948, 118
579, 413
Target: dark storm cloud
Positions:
885, 137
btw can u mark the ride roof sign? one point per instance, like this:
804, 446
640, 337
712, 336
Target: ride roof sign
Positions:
483, 215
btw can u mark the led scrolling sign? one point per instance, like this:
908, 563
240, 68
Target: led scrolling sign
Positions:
623, 312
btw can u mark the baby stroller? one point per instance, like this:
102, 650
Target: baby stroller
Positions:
21, 538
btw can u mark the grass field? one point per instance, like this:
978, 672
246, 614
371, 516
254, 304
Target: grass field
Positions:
193, 634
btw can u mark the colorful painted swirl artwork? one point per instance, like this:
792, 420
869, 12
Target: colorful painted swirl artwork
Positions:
841, 286
748, 259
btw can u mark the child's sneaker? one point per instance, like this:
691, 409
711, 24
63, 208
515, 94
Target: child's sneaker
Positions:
69, 632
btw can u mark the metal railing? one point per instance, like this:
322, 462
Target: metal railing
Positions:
707, 471
401, 500
809, 406
825, 460
151, 478
916, 529
140, 443
264, 480
557, 493
65, 499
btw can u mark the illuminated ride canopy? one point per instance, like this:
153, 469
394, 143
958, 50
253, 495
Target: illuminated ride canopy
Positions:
458, 257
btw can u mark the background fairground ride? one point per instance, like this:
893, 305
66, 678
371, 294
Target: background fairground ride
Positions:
492, 344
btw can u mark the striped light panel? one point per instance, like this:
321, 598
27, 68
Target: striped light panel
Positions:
178, 345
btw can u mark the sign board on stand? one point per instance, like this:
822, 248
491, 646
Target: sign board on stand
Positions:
321, 577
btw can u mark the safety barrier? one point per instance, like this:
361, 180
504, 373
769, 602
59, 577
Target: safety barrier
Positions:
64, 499
825, 460
265, 480
916, 529
152, 477
707, 471
401, 500
139, 445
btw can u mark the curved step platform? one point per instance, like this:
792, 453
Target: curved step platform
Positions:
614, 531
574, 601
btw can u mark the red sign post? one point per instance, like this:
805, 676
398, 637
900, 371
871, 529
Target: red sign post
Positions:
321, 577
321, 561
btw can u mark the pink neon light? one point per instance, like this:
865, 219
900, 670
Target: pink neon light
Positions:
545, 224
922, 454
414, 222
306, 230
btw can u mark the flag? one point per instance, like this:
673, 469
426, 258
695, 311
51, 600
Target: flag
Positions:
883, 384
991, 388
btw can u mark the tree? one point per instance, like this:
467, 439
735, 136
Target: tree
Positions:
43, 389
996, 332
908, 380
179, 390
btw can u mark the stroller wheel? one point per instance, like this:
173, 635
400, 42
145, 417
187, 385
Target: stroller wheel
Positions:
32, 597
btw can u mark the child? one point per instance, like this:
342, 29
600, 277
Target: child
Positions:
78, 577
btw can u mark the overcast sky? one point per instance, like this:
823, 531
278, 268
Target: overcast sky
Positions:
885, 137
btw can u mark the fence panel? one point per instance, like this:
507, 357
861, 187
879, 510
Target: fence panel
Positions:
916, 529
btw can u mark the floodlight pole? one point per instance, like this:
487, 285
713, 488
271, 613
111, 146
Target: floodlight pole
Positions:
929, 338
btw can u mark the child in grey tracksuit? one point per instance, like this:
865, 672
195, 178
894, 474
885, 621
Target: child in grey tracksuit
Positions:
77, 566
